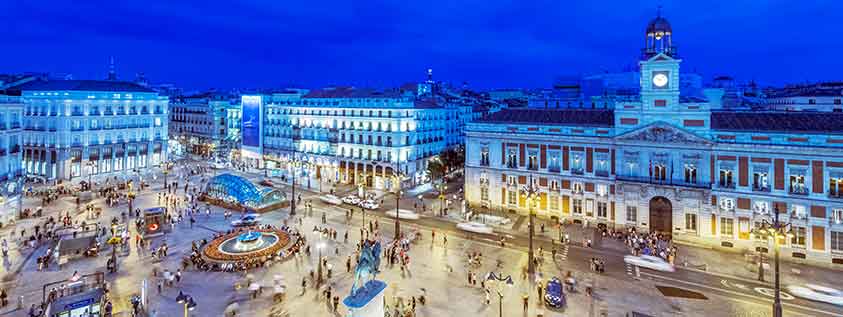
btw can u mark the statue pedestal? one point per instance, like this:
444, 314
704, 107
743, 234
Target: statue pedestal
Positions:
367, 301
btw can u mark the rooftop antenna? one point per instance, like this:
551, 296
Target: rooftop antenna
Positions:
112, 75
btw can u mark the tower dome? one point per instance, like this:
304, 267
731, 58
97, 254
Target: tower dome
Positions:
658, 27
658, 38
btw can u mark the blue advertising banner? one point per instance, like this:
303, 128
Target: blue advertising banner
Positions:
251, 120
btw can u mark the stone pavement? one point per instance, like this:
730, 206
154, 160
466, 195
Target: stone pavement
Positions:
441, 270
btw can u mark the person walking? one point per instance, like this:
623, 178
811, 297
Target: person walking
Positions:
525, 299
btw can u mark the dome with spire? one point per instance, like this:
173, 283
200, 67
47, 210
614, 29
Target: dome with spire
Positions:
659, 27
658, 39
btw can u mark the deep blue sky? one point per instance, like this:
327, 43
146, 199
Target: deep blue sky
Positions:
489, 44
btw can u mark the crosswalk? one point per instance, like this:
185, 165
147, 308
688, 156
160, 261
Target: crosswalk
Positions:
562, 255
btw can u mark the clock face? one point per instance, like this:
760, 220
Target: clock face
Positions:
660, 80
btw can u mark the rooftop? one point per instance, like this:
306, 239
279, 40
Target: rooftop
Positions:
791, 122
581, 117
84, 85
350, 92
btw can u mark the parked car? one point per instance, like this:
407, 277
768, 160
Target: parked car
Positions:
817, 293
369, 204
650, 262
247, 220
267, 183
554, 296
475, 227
330, 199
351, 199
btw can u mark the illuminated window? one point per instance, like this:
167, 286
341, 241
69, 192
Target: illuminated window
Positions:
632, 214
577, 203
727, 229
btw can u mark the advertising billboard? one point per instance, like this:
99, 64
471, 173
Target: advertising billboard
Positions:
251, 128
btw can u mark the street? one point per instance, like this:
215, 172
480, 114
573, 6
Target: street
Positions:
437, 269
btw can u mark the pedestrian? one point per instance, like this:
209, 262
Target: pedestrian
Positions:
526, 300
336, 303
539, 290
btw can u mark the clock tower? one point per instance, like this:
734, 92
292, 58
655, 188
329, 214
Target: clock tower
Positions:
659, 68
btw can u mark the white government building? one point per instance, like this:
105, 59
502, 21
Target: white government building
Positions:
669, 163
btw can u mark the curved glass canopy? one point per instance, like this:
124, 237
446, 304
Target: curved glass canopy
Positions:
236, 189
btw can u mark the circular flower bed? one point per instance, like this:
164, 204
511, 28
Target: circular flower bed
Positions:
212, 250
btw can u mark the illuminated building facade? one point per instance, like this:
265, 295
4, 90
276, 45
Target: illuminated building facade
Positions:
76, 128
199, 123
348, 135
668, 163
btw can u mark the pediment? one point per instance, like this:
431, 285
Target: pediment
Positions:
661, 57
662, 132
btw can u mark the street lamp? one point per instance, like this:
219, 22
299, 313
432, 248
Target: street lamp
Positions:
319, 246
442, 188
497, 279
91, 166
188, 302
775, 230
399, 176
530, 192
166, 165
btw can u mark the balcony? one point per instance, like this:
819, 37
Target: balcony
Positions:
553, 169
798, 190
15, 149
77, 114
602, 173
577, 171
835, 194
726, 184
666, 182
511, 164
760, 188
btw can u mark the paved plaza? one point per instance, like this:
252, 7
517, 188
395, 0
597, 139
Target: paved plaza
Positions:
438, 270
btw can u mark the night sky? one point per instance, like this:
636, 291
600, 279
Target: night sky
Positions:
489, 44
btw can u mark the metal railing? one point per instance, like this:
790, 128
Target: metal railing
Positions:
655, 181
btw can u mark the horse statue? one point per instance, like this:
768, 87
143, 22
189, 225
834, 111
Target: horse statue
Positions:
369, 264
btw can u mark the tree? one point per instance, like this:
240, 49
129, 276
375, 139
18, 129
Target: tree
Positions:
436, 169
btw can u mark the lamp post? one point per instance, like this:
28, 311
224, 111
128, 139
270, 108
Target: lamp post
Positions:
442, 188
398, 192
497, 279
91, 166
188, 302
166, 165
113, 242
530, 192
293, 187
319, 246
775, 230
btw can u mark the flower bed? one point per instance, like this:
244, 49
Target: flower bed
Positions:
212, 250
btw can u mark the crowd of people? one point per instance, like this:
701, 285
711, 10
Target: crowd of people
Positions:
652, 243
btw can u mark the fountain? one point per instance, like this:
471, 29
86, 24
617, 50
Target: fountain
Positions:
239, 246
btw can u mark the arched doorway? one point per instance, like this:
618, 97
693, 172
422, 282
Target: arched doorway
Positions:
661, 215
